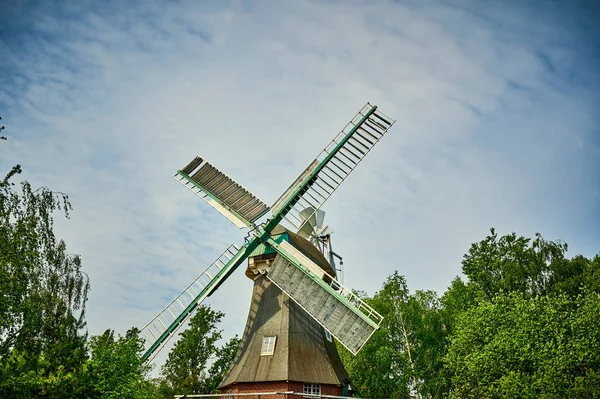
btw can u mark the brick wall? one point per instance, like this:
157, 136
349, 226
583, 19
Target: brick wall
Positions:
270, 386
326, 389
278, 386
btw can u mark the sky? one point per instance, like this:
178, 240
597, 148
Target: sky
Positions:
497, 125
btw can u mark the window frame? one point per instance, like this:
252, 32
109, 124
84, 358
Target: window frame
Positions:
268, 346
310, 388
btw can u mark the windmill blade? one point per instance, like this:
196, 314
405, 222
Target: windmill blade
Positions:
307, 231
316, 184
335, 307
313, 225
223, 193
315, 217
164, 325
326, 231
319, 219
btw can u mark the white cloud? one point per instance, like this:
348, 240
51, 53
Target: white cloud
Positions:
107, 104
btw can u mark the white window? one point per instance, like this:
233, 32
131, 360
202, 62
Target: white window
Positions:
268, 346
312, 389
229, 396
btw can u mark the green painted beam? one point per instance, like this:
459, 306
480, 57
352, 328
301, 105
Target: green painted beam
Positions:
250, 247
278, 217
229, 268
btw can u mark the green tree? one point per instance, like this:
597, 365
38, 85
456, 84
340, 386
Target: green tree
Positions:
224, 356
429, 347
460, 297
532, 273
516, 264
1, 129
430, 326
116, 369
402, 359
188, 367
379, 370
576, 276
43, 293
516, 346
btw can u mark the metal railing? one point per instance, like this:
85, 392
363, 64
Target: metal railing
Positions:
338, 288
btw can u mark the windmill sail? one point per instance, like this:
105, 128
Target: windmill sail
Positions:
322, 177
164, 325
221, 192
332, 305
335, 307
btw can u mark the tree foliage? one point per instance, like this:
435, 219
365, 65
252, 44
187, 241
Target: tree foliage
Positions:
43, 293
224, 357
403, 357
516, 346
196, 364
116, 369
522, 324
517, 264
44, 348
1, 129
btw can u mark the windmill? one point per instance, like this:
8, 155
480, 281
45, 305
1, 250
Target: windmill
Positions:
293, 268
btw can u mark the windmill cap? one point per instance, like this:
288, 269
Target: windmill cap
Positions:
280, 234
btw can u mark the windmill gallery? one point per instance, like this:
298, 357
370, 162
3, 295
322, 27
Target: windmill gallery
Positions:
298, 305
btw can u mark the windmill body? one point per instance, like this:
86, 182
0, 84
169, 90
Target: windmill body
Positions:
296, 294
283, 348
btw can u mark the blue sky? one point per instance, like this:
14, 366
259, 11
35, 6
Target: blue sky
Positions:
497, 126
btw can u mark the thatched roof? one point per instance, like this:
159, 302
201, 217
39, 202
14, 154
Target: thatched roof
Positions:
302, 351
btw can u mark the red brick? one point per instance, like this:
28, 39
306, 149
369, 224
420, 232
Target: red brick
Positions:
278, 386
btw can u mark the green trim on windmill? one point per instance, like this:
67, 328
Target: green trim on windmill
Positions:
229, 268
250, 246
263, 249
280, 213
